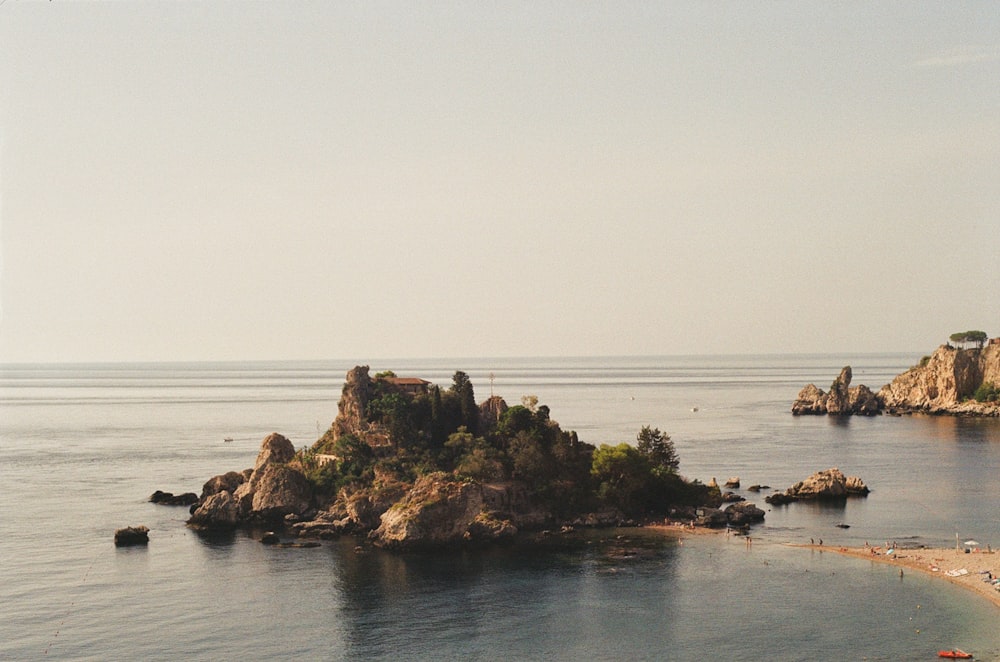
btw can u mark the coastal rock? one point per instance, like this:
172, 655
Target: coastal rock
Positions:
275, 449
710, 517
227, 482
943, 382
732, 483
488, 528
862, 401
780, 499
810, 400
217, 510
838, 399
827, 484
730, 497
132, 535
354, 397
170, 499
271, 490
739, 514
842, 400
278, 490
437, 511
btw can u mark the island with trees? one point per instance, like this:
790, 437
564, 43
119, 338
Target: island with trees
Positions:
408, 464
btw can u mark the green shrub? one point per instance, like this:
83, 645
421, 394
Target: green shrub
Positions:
987, 392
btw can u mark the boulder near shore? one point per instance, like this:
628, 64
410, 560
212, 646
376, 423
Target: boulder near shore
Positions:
828, 485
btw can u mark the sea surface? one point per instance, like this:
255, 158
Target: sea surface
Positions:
83, 446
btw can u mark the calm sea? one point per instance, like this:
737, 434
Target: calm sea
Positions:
83, 446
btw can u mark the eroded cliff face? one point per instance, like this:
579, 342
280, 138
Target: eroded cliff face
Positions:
945, 382
351, 417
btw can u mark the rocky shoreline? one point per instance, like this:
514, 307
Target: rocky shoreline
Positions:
943, 383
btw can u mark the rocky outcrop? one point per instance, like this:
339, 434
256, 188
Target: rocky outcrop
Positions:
944, 382
743, 513
274, 449
170, 499
269, 491
227, 482
842, 400
440, 510
838, 399
829, 484
740, 514
275, 490
490, 412
353, 402
132, 535
810, 400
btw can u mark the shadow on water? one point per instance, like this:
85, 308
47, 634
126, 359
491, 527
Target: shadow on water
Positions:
216, 538
405, 603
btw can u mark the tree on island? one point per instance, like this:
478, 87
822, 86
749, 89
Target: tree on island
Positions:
962, 337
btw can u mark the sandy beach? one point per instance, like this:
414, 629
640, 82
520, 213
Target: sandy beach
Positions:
945, 563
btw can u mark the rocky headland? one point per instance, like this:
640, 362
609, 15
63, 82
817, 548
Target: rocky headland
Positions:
408, 465
951, 381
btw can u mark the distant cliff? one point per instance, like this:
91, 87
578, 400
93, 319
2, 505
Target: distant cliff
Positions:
945, 382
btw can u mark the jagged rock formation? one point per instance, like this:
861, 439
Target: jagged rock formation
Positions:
829, 484
943, 383
352, 417
490, 412
269, 491
842, 399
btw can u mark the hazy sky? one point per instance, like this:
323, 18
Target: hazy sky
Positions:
288, 180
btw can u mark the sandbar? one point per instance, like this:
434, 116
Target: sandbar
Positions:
942, 562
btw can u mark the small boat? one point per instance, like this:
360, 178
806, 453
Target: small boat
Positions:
955, 654
228, 440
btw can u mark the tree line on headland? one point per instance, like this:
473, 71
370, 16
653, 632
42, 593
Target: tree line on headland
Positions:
962, 337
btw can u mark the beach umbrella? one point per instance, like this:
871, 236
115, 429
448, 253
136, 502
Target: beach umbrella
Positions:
970, 543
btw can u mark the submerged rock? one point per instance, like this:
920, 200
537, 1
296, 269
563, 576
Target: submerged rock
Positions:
169, 499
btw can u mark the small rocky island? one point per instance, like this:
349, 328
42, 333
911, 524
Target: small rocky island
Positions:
409, 465
951, 381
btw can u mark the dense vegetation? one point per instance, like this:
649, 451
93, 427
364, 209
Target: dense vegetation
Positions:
445, 430
987, 392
